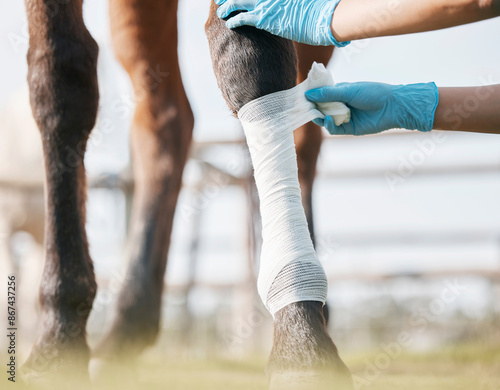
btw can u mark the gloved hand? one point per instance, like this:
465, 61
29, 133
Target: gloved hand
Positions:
376, 107
306, 21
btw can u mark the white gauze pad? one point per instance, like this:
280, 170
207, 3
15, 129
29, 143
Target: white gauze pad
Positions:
289, 267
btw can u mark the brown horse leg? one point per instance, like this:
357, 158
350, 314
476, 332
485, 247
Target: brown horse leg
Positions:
250, 63
64, 98
145, 39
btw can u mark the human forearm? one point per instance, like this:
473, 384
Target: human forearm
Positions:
376, 107
473, 109
359, 19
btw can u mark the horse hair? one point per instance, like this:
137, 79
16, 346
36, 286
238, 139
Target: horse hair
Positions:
249, 63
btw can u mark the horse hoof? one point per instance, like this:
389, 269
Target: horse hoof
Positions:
304, 356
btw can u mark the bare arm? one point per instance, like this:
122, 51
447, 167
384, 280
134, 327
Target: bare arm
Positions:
359, 19
472, 109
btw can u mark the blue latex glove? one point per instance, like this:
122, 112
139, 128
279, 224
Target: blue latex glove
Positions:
306, 21
376, 107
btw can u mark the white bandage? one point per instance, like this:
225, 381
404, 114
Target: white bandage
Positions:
289, 267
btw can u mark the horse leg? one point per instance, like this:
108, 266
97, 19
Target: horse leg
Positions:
250, 63
144, 36
64, 97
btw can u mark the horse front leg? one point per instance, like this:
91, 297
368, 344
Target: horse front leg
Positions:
144, 36
248, 64
62, 79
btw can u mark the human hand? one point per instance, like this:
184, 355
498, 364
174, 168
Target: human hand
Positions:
376, 107
305, 21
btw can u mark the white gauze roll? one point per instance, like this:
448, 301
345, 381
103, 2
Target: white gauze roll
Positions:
289, 267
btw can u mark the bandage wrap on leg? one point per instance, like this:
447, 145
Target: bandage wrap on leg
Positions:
289, 267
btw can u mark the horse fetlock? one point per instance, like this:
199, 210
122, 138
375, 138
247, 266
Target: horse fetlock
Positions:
60, 349
74, 298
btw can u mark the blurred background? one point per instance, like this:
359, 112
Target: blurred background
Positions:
408, 225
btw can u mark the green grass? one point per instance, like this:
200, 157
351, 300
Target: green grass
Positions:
204, 374
468, 367
471, 367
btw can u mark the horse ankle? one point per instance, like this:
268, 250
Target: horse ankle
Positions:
68, 299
